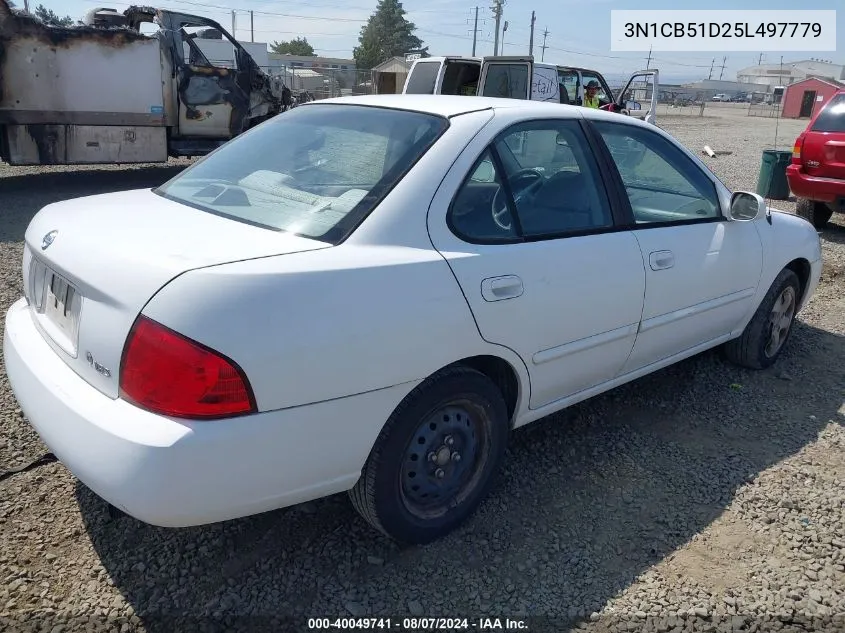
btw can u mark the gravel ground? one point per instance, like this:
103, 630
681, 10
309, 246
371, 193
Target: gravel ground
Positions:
704, 497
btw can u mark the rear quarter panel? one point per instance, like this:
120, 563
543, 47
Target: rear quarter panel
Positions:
308, 328
381, 309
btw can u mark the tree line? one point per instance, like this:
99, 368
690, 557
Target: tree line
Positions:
388, 33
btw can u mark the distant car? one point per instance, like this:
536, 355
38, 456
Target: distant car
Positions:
816, 174
720, 97
367, 294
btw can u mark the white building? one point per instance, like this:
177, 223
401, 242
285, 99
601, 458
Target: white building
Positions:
790, 72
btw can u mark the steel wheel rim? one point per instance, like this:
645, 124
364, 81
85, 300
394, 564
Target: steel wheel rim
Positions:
780, 321
454, 440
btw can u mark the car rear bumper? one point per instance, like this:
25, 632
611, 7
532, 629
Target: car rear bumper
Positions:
803, 185
180, 473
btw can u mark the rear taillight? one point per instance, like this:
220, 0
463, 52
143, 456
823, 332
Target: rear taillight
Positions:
796, 150
167, 373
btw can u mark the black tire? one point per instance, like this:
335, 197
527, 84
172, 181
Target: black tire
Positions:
383, 496
752, 349
816, 213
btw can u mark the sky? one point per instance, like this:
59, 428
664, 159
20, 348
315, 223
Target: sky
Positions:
578, 30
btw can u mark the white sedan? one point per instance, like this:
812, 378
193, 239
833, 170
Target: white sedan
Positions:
367, 294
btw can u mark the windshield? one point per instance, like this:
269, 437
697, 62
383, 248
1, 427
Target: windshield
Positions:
315, 171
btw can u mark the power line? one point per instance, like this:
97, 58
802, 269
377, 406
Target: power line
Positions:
272, 13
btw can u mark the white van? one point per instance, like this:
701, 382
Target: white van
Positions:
523, 78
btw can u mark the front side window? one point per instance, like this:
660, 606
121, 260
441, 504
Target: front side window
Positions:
315, 171
832, 117
544, 184
662, 183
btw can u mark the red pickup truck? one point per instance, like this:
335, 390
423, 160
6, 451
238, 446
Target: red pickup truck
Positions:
816, 174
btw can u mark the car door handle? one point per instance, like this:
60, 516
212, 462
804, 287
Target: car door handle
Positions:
499, 288
661, 260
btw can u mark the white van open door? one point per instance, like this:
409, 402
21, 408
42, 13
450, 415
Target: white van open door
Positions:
642, 89
453, 75
508, 77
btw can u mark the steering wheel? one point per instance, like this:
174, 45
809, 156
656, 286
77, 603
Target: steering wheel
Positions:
525, 184
697, 207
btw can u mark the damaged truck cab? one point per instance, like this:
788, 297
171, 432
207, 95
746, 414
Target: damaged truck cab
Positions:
107, 92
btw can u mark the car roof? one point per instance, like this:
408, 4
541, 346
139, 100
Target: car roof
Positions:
450, 106
445, 105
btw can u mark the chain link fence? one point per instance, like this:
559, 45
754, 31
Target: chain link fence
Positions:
323, 83
684, 101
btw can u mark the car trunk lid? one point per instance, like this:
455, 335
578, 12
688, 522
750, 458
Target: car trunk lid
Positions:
91, 264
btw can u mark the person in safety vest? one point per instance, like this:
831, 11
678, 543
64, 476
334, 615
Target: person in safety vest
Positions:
591, 99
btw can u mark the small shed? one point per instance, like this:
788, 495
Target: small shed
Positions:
804, 98
389, 76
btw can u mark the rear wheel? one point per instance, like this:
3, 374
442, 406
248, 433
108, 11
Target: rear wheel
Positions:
436, 458
766, 334
817, 213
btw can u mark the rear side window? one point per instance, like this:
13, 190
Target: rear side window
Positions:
315, 171
422, 79
832, 117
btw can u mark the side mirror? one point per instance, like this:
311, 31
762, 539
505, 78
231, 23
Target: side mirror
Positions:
747, 206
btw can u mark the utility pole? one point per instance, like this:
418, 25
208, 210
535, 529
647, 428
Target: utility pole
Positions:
233, 25
26, 5
724, 59
497, 13
710, 76
648, 61
251, 26
475, 32
544, 47
531, 41
760, 59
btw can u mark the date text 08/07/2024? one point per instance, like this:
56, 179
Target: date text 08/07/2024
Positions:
722, 29
419, 624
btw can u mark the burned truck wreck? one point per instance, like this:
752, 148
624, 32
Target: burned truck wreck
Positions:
124, 87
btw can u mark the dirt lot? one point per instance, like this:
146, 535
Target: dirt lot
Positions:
703, 497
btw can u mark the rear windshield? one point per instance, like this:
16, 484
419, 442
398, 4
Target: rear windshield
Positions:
315, 171
832, 117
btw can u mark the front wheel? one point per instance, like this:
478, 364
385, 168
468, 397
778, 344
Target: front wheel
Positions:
766, 334
436, 458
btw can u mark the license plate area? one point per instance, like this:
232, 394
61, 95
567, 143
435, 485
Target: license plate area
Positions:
57, 305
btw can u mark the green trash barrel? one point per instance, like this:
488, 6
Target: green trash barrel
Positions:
772, 183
